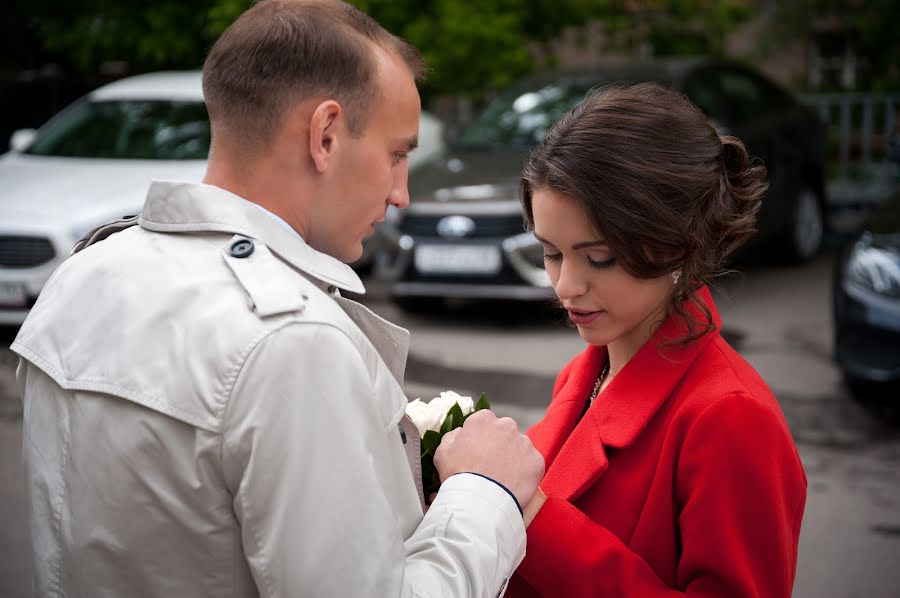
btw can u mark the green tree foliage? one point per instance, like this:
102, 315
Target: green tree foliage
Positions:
147, 35
475, 46
875, 36
689, 27
471, 46
870, 27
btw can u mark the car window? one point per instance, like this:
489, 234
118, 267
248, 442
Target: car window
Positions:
132, 129
749, 96
522, 116
703, 90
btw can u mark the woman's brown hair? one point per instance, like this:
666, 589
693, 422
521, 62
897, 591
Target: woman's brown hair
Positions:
657, 181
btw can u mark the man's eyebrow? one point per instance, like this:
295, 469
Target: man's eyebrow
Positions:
577, 245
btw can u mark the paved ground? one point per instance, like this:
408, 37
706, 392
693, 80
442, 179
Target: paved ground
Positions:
777, 318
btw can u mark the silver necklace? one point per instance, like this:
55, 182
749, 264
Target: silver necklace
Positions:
599, 382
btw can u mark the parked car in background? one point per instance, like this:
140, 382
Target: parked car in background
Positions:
463, 234
93, 162
866, 295
90, 164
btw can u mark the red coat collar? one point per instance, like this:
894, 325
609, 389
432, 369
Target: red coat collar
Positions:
574, 450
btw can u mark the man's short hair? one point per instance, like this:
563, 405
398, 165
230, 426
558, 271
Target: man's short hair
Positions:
281, 52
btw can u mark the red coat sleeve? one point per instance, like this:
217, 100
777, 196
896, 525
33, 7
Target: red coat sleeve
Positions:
740, 493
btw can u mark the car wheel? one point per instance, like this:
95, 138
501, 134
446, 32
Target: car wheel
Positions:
807, 229
872, 393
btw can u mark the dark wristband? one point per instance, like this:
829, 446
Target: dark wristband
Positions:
507, 490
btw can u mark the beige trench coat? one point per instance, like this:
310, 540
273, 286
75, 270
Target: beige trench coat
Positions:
203, 420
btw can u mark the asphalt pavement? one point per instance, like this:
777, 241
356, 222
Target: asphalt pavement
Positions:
777, 318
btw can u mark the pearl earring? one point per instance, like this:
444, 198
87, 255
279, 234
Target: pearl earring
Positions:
675, 276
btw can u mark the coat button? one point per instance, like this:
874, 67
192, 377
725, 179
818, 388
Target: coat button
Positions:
242, 248
332, 289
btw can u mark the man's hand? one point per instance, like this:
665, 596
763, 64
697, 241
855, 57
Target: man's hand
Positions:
494, 448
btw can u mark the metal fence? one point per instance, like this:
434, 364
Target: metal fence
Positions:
861, 130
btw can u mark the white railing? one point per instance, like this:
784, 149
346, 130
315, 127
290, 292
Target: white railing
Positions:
860, 129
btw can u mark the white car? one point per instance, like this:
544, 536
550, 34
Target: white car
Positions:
92, 163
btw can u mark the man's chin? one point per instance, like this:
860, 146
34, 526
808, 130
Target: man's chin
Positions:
352, 255
346, 254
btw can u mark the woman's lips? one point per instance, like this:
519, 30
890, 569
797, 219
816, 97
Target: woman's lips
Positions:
583, 318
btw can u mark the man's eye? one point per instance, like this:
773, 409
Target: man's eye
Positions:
552, 257
400, 157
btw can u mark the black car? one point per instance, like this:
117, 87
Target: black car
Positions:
463, 234
867, 302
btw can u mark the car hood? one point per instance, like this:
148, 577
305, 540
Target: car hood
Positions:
48, 191
466, 175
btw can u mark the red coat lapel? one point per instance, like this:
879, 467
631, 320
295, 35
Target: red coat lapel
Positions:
574, 450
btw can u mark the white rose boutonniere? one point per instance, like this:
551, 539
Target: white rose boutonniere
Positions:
434, 419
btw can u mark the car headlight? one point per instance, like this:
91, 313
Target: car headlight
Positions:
526, 255
874, 266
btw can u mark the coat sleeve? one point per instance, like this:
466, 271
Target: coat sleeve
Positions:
301, 442
740, 493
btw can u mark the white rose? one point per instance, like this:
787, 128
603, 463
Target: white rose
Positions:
449, 398
465, 403
426, 416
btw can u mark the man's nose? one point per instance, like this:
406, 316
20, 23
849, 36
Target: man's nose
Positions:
399, 195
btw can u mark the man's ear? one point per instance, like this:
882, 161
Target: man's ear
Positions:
323, 138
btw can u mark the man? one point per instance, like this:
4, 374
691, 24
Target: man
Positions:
205, 415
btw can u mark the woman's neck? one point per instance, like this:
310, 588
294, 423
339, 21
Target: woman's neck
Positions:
622, 349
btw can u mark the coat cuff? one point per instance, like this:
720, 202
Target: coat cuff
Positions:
484, 499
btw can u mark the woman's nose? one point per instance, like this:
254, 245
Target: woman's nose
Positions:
571, 282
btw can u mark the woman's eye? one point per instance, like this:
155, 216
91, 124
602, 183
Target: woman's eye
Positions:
552, 257
602, 264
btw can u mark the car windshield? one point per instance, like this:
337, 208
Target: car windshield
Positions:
127, 129
521, 117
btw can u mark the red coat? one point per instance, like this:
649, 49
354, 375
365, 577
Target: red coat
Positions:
681, 478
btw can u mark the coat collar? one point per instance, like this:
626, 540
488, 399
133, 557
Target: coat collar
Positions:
575, 450
193, 207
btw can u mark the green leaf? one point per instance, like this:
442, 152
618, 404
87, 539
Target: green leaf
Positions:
455, 414
482, 403
447, 425
430, 441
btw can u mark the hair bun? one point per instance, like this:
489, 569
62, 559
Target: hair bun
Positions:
744, 184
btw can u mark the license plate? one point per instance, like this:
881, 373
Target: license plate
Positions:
483, 260
12, 294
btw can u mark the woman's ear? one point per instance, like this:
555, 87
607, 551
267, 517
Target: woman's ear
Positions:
323, 138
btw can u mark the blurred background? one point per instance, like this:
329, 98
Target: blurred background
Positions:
98, 97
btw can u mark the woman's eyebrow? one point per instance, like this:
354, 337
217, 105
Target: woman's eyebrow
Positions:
577, 245
590, 244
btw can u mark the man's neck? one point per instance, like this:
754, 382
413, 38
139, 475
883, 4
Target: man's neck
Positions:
261, 183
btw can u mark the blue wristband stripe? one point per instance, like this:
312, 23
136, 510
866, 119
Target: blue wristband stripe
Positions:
505, 489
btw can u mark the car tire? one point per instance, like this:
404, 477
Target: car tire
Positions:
870, 392
807, 226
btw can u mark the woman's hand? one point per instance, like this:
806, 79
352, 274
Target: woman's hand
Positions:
533, 507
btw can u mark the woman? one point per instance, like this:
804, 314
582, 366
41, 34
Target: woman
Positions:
670, 468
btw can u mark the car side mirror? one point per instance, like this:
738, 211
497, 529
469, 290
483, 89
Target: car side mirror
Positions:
21, 139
